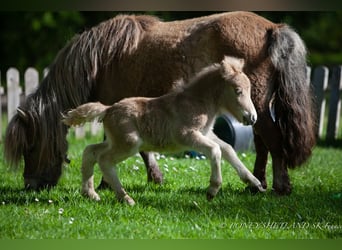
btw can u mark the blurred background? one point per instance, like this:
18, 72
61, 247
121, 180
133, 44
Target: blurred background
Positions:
33, 38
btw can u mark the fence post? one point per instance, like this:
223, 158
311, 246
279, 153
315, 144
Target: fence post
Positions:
308, 75
13, 92
80, 132
45, 72
31, 80
335, 104
95, 127
320, 83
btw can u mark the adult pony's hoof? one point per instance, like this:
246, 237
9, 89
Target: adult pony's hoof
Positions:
210, 196
154, 175
282, 191
282, 186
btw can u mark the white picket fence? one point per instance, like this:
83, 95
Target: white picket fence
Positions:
15, 96
327, 86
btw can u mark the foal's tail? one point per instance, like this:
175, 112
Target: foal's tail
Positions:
85, 113
292, 96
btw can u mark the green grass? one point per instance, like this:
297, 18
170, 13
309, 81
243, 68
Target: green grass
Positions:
178, 208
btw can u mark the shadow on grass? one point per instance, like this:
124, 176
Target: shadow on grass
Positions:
301, 205
330, 143
21, 196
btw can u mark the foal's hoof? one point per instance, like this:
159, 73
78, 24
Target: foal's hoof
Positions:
127, 199
255, 190
261, 188
92, 195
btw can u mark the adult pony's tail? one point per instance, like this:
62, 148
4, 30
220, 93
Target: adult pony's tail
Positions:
85, 113
292, 96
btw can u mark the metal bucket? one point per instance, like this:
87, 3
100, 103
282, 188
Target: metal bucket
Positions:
228, 129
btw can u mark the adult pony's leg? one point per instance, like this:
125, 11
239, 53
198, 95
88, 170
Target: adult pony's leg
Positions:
281, 181
153, 172
260, 161
269, 138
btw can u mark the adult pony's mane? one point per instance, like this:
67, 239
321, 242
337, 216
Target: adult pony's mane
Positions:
69, 83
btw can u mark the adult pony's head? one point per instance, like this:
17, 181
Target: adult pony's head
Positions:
35, 135
237, 92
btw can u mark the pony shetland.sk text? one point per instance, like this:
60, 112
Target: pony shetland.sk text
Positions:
177, 121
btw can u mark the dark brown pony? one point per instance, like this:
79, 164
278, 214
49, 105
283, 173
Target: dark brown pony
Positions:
143, 56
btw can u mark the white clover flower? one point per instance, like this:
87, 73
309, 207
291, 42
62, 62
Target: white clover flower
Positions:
71, 220
192, 168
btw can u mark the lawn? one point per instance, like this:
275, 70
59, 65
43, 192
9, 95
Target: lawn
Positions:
178, 208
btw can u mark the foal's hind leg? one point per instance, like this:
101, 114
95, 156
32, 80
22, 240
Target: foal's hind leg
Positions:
111, 177
123, 145
152, 169
89, 158
107, 162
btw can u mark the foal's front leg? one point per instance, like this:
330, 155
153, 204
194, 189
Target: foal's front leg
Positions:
230, 155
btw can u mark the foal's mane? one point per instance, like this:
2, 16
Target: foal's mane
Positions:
69, 83
228, 67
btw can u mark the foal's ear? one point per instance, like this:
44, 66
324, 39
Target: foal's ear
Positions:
234, 62
23, 115
241, 62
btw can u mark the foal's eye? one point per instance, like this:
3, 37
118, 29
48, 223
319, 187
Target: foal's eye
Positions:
238, 91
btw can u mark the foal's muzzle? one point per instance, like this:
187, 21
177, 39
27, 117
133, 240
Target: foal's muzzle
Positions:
249, 118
